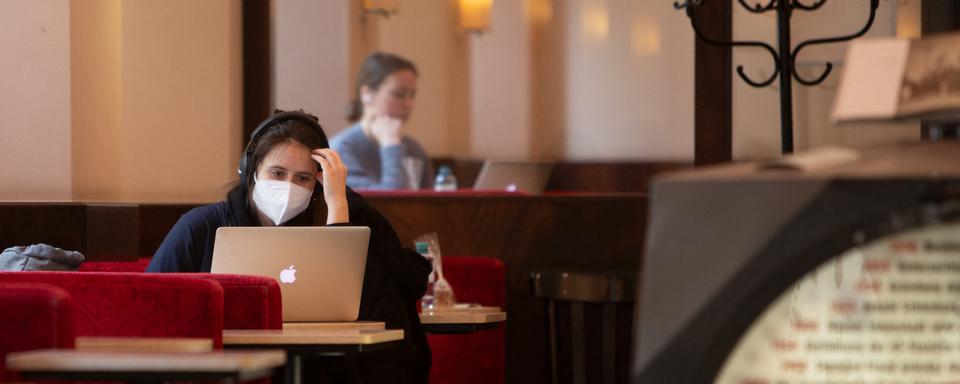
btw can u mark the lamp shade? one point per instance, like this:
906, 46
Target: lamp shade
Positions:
475, 15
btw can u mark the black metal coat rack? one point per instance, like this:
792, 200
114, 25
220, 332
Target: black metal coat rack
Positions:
784, 58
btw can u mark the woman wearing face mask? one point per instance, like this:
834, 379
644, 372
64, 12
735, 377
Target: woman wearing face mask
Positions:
374, 148
288, 177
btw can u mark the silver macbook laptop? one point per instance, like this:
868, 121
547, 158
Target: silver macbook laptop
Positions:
320, 269
526, 176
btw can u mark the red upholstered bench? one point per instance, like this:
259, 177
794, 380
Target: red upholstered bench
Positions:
250, 302
137, 304
475, 357
116, 266
254, 303
35, 316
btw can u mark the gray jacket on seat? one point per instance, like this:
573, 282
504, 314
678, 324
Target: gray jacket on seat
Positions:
39, 257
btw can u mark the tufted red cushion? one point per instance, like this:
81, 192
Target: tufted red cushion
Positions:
250, 302
36, 316
476, 279
476, 357
137, 304
115, 266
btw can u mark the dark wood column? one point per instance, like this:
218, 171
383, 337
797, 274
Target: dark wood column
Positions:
939, 16
713, 93
256, 64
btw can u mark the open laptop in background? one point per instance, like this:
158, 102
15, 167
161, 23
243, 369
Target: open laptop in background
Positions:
320, 269
526, 176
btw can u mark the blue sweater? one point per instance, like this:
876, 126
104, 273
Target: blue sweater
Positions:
372, 167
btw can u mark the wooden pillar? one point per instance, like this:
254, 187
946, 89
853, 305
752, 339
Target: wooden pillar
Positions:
712, 94
256, 65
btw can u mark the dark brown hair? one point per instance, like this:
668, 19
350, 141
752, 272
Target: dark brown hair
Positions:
284, 131
373, 71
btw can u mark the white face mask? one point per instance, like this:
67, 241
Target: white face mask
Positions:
280, 200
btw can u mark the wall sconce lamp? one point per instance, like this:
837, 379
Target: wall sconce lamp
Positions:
384, 8
475, 15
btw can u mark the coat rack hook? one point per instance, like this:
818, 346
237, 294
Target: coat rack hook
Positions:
757, 8
796, 51
816, 5
758, 44
758, 84
818, 80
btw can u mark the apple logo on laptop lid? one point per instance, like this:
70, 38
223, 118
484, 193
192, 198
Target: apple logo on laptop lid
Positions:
288, 275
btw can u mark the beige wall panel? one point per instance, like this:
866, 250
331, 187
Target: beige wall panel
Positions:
501, 85
181, 99
629, 81
311, 59
96, 99
35, 100
421, 32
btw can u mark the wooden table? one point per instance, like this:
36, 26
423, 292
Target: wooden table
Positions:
462, 320
144, 367
143, 344
315, 339
333, 325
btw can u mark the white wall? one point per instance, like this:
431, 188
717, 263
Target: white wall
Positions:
500, 79
584, 80
756, 111
35, 136
629, 81
310, 59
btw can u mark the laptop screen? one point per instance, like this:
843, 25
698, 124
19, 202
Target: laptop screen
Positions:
320, 269
525, 176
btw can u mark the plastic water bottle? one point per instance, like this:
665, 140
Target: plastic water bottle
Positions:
428, 301
445, 181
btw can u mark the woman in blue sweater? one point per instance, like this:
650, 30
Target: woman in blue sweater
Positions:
289, 177
374, 148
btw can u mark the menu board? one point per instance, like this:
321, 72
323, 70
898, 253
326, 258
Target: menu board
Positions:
886, 312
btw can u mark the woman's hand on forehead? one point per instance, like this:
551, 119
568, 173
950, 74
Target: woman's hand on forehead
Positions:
333, 177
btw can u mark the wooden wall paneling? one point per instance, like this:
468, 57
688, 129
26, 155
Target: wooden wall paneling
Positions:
61, 225
528, 233
155, 220
112, 232
602, 177
607, 177
102, 232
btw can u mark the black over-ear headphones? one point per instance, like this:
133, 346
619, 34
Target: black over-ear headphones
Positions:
275, 119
